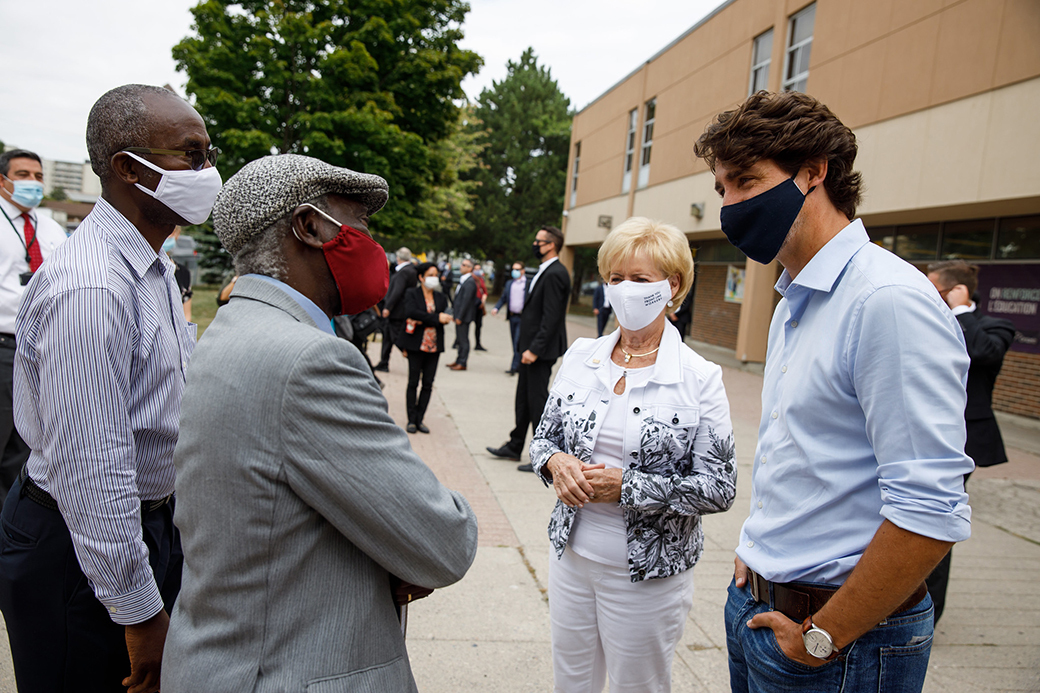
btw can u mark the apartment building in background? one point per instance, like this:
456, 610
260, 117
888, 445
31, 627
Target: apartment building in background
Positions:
944, 98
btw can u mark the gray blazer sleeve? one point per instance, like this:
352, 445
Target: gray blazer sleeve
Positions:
348, 460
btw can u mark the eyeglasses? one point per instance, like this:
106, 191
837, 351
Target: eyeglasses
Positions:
541, 242
198, 157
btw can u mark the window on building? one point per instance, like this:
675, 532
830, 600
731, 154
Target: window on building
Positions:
630, 151
1018, 239
918, 242
967, 240
718, 252
761, 53
799, 46
574, 176
884, 236
648, 140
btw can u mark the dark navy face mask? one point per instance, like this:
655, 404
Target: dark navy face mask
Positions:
759, 225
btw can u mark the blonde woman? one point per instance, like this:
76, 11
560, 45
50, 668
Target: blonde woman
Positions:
636, 440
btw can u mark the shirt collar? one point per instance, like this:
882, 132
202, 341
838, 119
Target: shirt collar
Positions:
823, 270
964, 309
548, 262
127, 239
667, 368
401, 264
13, 212
317, 314
464, 277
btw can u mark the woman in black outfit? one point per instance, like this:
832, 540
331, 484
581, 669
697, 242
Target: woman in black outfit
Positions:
423, 341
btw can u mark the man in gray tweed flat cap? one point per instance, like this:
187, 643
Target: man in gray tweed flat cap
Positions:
304, 513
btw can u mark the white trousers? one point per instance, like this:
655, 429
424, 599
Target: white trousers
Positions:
603, 623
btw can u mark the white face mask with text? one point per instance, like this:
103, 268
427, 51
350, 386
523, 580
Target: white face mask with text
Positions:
638, 304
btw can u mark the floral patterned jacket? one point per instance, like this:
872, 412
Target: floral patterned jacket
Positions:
679, 439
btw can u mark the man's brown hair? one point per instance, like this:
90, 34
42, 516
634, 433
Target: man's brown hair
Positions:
954, 272
791, 129
555, 235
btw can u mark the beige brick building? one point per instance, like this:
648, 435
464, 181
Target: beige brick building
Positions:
944, 97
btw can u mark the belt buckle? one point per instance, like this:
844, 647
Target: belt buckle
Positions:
753, 579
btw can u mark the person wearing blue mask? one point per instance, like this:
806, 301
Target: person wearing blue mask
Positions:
857, 485
512, 298
27, 239
90, 560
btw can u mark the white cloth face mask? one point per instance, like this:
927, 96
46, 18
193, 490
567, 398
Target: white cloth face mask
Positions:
637, 304
432, 283
189, 193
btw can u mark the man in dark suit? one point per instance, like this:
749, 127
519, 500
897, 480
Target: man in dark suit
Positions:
601, 309
513, 299
403, 278
681, 318
987, 340
465, 310
543, 339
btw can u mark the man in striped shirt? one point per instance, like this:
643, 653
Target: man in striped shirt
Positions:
90, 560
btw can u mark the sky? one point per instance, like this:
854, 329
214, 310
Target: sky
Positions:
66, 53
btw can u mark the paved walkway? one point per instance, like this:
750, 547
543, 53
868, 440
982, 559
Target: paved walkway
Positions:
490, 632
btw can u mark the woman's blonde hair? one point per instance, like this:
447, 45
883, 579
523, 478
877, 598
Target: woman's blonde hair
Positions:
663, 244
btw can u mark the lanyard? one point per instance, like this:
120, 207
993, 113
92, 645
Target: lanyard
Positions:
20, 239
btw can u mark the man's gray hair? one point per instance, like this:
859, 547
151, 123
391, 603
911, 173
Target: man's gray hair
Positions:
404, 255
263, 253
119, 120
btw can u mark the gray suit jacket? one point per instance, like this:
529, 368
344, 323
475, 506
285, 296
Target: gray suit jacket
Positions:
297, 496
466, 301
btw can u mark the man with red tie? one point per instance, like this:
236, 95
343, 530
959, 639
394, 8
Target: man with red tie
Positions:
26, 240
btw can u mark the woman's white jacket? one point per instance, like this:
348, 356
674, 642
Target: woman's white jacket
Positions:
680, 461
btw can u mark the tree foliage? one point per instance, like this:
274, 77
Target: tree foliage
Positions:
365, 84
524, 124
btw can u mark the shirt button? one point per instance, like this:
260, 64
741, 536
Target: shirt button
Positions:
636, 410
794, 323
760, 504
774, 415
113, 609
751, 544
570, 397
763, 459
675, 419
783, 369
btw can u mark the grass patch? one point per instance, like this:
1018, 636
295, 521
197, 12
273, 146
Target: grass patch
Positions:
204, 305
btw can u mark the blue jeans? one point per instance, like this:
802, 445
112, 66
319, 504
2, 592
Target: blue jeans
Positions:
892, 658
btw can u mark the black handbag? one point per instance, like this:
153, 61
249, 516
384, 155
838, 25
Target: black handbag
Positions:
365, 323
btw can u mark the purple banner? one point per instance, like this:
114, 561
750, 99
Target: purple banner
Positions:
1013, 292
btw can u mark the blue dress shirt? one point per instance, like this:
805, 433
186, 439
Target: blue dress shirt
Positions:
862, 415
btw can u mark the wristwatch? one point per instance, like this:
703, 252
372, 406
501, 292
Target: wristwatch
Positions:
818, 642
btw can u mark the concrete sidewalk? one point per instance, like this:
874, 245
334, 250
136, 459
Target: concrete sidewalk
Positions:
491, 631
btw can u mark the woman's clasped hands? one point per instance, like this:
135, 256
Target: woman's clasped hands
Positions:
577, 483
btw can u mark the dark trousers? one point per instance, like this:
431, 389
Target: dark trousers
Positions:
13, 450
478, 323
601, 320
62, 638
420, 363
392, 330
462, 342
514, 330
532, 391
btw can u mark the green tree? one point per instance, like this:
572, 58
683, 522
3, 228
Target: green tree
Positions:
525, 126
370, 85
58, 194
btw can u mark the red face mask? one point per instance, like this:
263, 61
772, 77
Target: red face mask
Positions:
358, 265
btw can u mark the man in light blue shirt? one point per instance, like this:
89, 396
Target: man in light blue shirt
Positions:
857, 488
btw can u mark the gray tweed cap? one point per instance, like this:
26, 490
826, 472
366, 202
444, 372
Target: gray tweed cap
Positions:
267, 189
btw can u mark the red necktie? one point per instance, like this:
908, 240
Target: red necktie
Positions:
35, 256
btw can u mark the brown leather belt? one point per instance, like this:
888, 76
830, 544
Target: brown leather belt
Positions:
36, 494
798, 602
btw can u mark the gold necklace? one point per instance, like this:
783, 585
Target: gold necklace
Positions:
628, 356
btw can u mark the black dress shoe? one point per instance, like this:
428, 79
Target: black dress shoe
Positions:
479, 348
504, 452
381, 367
410, 428
510, 372
422, 428
525, 468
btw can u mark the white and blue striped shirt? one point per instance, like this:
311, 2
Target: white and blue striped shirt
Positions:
102, 347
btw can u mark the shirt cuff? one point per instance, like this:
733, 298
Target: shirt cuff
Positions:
135, 607
952, 526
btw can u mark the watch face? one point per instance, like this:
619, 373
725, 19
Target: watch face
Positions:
817, 644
